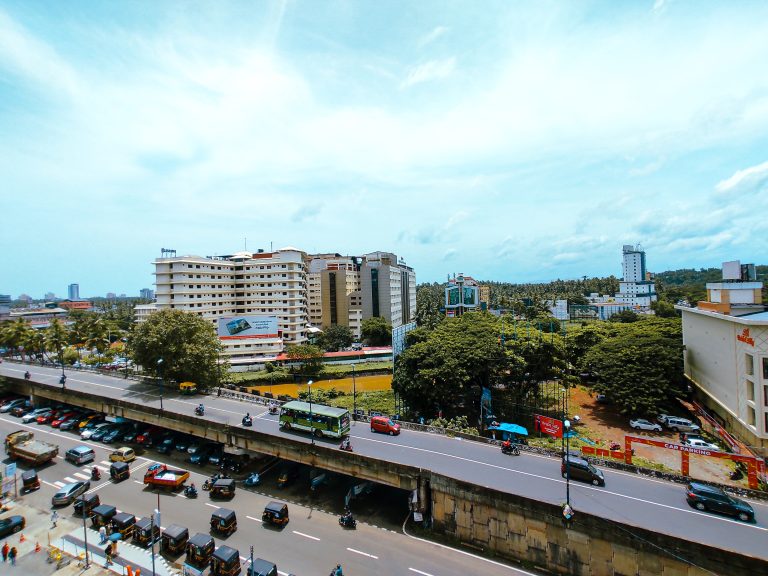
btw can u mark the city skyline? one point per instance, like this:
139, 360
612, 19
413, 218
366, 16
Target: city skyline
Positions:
517, 143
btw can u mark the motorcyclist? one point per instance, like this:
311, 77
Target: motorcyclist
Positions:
337, 571
191, 490
200, 409
347, 517
346, 444
63, 379
95, 474
27, 375
247, 419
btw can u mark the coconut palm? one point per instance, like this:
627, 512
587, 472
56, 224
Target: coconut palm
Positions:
56, 338
16, 335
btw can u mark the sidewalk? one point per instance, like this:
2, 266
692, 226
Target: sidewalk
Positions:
68, 537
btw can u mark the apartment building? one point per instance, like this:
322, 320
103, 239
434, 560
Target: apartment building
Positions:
256, 301
637, 287
388, 288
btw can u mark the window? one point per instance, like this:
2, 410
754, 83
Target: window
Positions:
750, 416
750, 390
765, 368
749, 364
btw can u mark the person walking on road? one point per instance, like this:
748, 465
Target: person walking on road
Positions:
54, 518
108, 554
102, 535
12, 556
6, 549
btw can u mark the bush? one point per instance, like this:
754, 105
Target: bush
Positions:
457, 424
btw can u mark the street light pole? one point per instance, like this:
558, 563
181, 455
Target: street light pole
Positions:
160, 370
152, 540
311, 426
354, 395
85, 531
567, 424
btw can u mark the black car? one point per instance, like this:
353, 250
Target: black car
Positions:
165, 443
202, 455
130, 433
11, 525
115, 434
183, 443
706, 497
103, 431
216, 456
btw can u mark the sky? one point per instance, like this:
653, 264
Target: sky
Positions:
509, 141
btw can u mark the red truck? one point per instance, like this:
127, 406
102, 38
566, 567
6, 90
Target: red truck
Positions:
163, 477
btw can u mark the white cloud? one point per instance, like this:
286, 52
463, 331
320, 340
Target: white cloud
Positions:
433, 35
432, 70
750, 178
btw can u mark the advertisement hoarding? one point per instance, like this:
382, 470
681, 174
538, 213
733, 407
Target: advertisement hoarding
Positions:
247, 327
547, 425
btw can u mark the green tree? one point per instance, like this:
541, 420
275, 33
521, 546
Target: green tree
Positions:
16, 334
640, 368
377, 331
309, 357
664, 309
625, 317
186, 343
428, 300
336, 337
56, 338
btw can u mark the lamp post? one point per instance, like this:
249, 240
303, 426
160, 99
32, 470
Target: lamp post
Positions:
160, 370
312, 428
152, 540
354, 395
85, 530
567, 425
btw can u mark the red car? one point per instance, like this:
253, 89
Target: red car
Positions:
59, 419
148, 436
47, 418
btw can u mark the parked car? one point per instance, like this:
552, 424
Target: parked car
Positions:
12, 404
46, 418
67, 493
61, 419
202, 455
705, 497
130, 433
90, 421
580, 469
216, 456
700, 443
98, 435
642, 424
183, 443
11, 525
88, 432
71, 423
165, 443
32, 416
22, 408
681, 425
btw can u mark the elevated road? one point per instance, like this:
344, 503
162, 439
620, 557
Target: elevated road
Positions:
632, 500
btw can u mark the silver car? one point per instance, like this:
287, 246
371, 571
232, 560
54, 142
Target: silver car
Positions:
32, 416
67, 493
642, 424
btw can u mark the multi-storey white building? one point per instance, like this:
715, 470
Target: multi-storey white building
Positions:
388, 288
636, 287
256, 301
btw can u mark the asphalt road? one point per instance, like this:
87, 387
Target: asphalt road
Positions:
311, 543
627, 498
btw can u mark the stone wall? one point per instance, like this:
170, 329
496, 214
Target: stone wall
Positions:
535, 534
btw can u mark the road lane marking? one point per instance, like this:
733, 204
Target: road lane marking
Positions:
138, 482
70, 479
59, 483
82, 476
52, 485
420, 572
212, 505
363, 553
306, 536
252, 518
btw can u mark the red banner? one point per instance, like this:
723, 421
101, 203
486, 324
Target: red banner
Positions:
547, 425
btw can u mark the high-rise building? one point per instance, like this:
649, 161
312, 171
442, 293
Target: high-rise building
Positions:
146, 294
73, 292
636, 287
334, 291
388, 288
50, 296
461, 295
5, 307
111, 295
256, 301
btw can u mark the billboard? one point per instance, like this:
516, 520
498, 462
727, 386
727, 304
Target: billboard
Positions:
547, 425
247, 327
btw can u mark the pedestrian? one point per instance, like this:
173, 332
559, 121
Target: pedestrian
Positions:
108, 554
6, 549
12, 556
102, 535
54, 518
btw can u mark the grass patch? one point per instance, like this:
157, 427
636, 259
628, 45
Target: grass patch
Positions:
285, 376
381, 401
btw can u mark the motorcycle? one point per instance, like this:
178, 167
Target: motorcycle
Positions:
95, 474
199, 411
347, 521
511, 449
247, 421
207, 484
27, 375
273, 409
190, 492
253, 479
63, 380
346, 445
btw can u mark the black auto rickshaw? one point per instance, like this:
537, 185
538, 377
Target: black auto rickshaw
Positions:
29, 481
261, 567
224, 521
275, 513
174, 539
223, 488
119, 471
124, 523
89, 501
225, 562
200, 549
102, 515
145, 532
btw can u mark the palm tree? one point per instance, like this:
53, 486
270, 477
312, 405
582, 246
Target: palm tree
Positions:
56, 338
35, 344
16, 336
97, 336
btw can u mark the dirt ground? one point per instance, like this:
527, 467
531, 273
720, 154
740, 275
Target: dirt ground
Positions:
602, 424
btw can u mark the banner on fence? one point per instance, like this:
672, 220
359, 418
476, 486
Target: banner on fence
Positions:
547, 425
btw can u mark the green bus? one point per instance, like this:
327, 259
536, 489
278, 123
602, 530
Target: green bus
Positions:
326, 420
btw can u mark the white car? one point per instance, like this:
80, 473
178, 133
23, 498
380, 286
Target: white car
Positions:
88, 432
32, 416
642, 424
699, 443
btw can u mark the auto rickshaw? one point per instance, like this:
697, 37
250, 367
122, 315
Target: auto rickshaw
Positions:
102, 515
145, 532
90, 501
124, 523
189, 388
223, 488
261, 567
225, 562
119, 471
275, 513
200, 549
174, 539
224, 521
29, 481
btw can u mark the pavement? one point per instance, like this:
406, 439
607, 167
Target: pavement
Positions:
35, 540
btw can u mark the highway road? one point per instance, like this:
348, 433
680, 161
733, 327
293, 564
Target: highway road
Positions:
311, 543
633, 500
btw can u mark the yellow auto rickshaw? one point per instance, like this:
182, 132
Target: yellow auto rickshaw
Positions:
85, 503
174, 539
119, 471
225, 562
188, 388
275, 513
124, 523
102, 515
200, 549
145, 531
29, 481
223, 488
224, 521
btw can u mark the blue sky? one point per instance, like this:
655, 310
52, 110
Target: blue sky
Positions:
512, 141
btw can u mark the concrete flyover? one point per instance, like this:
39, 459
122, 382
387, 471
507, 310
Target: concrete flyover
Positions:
505, 525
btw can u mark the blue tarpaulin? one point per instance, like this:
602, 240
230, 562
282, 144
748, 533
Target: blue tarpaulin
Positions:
511, 428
